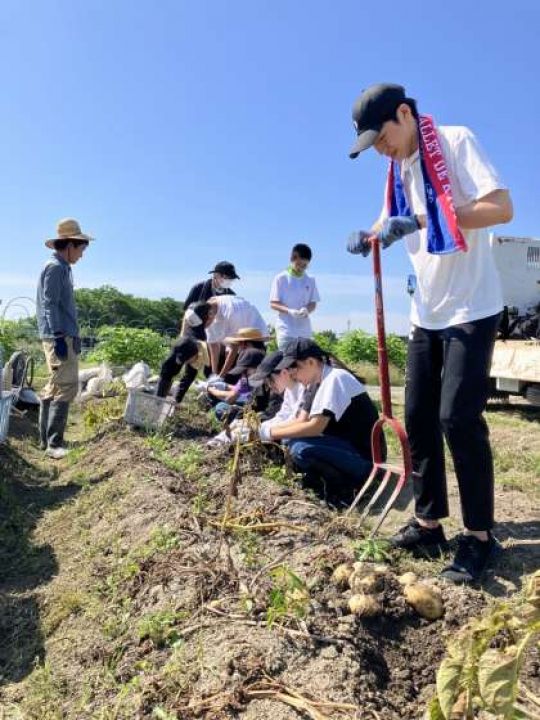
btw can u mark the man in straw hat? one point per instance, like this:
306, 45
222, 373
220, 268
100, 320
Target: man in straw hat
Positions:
59, 332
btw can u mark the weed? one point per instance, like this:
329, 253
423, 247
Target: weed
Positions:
161, 714
188, 463
279, 474
76, 455
250, 547
102, 412
372, 550
66, 603
288, 596
160, 627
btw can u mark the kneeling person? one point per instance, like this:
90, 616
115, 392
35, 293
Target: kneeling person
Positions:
233, 397
334, 442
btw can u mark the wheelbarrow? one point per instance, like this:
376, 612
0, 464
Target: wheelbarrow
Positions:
383, 472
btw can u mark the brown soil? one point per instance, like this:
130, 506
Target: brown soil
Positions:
82, 572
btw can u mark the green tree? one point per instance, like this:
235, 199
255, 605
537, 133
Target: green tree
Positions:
108, 306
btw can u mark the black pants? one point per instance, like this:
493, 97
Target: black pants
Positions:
446, 391
169, 369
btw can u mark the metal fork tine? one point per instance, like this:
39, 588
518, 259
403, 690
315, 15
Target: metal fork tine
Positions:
399, 485
364, 489
376, 495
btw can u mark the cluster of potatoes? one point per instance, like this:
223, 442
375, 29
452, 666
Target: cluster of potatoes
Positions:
366, 580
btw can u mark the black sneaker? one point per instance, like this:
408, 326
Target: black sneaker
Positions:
416, 538
472, 559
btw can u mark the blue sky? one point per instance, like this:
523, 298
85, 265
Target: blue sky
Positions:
181, 133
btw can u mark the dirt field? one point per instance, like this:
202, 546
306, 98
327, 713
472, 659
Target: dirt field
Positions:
125, 594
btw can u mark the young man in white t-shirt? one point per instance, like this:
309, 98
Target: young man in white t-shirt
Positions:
294, 296
454, 317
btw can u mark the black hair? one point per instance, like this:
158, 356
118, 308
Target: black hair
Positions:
411, 104
202, 309
302, 250
62, 244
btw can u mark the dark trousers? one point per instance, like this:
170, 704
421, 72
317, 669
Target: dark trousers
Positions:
446, 391
169, 369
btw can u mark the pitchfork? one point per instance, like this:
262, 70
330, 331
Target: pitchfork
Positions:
404, 472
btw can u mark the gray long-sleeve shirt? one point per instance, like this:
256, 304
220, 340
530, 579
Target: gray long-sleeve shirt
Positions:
56, 311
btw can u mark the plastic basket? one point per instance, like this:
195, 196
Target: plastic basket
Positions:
147, 411
6, 399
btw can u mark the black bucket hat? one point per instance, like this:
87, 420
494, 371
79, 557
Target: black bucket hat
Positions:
226, 269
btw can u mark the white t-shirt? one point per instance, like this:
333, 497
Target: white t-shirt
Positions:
292, 401
294, 292
233, 313
463, 286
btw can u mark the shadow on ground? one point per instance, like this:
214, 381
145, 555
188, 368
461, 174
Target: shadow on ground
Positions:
26, 492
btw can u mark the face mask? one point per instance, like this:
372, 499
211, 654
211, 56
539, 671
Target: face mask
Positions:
225, 284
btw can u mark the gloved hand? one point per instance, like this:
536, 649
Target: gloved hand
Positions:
396, 227
358, 243
265, 433
303, 312
60, 347
200, 385
296, 313
214, 377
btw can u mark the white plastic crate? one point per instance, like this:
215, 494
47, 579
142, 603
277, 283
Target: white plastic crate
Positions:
147, 411
6, 399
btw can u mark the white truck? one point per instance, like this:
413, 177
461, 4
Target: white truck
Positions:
515, 368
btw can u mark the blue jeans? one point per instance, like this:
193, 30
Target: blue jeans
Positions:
340, 454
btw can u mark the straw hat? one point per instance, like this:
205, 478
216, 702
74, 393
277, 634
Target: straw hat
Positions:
68, 229
248, 334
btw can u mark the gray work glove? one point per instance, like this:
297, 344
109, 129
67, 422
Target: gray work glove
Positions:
396, 227
60, 347
358, 243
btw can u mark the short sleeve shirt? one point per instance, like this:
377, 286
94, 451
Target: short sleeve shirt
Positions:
344, 400
296, 293
463, 286
233, 313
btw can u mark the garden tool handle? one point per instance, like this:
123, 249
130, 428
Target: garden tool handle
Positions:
382, 354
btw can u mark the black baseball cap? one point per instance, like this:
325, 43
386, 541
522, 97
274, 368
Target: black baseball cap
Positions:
300, 349
249, 358
375, 106
266, 368
226, 269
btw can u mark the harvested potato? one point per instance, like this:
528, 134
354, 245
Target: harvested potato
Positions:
364, 606
341, 574
427, 601
408, 578
368, 584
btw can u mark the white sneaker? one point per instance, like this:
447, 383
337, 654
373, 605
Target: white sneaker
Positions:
56, 453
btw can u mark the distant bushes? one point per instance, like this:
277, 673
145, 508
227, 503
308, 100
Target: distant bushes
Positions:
357, 346
126, 346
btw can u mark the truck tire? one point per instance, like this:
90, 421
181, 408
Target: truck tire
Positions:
532, 395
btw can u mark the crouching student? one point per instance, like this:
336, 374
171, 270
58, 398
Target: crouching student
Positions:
189, 354
280, 383
333, 444
232, 398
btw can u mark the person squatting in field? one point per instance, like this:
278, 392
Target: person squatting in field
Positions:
331, 442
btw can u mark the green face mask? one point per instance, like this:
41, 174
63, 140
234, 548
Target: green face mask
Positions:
295, 273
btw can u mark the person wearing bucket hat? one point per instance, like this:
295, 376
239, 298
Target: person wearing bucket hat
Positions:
233, 397
223, 274
234, 314
59, 333
332, 445
442, 194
